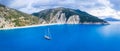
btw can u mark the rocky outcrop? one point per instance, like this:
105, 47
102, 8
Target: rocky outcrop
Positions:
12, 18
68, 16
73, 19
60, 18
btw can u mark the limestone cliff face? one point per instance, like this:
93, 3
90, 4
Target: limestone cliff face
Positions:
73, 19
13, 18
60, 18
68, 16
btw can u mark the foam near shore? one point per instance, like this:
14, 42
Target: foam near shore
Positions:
9, 28
28, 26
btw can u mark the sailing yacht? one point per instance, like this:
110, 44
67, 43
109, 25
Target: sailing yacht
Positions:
47, 36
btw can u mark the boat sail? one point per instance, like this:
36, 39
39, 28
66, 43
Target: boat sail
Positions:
48, 35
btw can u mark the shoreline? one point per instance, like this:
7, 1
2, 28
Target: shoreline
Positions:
30, 26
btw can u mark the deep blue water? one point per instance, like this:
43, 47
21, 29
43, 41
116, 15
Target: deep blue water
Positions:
64, 38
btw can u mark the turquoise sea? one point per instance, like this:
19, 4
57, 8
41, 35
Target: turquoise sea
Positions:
67, 37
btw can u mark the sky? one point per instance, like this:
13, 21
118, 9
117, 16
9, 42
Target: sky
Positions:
99, 8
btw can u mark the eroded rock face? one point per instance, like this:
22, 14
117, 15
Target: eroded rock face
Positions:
12, 18
68, 16
60, 18
54, 19
42, 21
73, 19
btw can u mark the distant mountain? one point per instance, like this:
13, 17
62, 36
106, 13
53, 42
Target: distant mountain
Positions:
12, 18
68, 16
111, 19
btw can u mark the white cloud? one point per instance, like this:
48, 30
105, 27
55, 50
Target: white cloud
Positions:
29, 9
105, 11
19, 3
27, 5
100, 8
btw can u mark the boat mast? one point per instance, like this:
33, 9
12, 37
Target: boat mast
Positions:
48, 32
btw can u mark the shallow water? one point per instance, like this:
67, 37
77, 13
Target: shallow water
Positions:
64, 38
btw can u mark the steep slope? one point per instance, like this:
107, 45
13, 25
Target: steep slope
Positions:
68, 16
12, 18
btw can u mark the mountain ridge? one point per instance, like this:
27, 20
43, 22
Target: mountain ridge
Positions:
13, 18
56, 13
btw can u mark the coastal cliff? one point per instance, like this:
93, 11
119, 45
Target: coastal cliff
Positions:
68, 16
13, 18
